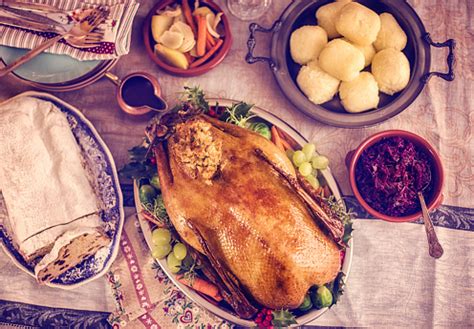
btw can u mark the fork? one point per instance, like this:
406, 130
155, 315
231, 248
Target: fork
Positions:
79, 32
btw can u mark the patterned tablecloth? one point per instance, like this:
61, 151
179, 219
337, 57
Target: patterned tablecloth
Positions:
393, 281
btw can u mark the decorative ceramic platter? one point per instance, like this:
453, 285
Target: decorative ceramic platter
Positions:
205, 302
101, 166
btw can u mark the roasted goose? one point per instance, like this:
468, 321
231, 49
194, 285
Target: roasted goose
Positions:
235, 198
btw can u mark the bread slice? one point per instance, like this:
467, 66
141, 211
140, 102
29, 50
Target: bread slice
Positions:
70, 249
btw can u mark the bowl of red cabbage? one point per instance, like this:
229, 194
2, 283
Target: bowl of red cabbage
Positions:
388, 170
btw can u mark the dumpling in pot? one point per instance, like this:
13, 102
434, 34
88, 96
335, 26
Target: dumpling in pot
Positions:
326, 16
391, 70
391, 35
306, 43
316, 84
341, 60
358, 23
367, 51
360, 94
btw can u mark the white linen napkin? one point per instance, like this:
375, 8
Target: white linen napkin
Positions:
117, 28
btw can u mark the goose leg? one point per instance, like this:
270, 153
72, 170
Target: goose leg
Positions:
232, 292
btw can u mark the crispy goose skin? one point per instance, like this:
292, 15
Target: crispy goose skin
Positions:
250, 217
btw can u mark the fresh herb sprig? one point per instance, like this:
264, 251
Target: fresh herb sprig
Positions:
139, 166
339, 209
283, 318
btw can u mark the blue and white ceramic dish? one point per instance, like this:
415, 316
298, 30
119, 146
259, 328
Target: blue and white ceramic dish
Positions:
100, 164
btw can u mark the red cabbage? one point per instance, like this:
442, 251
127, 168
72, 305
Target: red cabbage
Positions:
389, 175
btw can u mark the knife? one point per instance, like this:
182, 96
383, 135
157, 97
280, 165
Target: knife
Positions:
37, 12
20, 19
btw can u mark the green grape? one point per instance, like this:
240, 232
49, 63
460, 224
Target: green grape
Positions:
147, 193
298, 158
161, 236
320, 162
173, 263
160, 251
313, 181
289, 153
305, 169
308, 150
179, 251
155, 182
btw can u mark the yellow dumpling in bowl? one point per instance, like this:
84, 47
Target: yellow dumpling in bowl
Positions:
358, 23
368, 51
341, 60
391, 70
360, 94
316, 84
306, 43
326, 16
391, 35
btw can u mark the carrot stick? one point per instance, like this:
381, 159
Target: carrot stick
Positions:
208, 45
210, 38
189, 57
208, 55
276, 139
188, 15
202, 286
201, 35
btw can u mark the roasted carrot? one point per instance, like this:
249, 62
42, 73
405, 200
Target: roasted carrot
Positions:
294, 145
202, 286
286, 145
207, 55
188, 15
277, 139
151, 218
201, 35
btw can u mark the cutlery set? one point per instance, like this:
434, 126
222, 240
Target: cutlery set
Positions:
83, 33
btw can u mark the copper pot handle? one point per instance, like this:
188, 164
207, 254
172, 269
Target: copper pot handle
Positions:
451, 59
252, 42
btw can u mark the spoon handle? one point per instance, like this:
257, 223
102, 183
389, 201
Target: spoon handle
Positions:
436, 251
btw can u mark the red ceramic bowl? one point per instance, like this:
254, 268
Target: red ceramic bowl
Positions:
215, 60
437, 175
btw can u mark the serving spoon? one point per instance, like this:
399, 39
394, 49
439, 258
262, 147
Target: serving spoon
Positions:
435, 248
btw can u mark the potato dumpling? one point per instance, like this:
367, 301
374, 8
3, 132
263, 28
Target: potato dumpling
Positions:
306, 43
341, 60
326, 16
391, 35
391, 70
358, 23
360, 94
367, 51
316, 84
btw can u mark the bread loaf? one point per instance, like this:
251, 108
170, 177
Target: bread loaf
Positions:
70, 249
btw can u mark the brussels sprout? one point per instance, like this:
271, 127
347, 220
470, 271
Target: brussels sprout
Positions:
306, 305
322, 297
261, 128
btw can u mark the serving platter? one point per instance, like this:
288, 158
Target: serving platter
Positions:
101, 166
207, 303
55, 72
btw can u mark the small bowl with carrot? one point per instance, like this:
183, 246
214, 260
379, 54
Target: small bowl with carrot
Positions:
186, 37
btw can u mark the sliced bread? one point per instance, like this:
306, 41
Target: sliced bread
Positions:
70, 249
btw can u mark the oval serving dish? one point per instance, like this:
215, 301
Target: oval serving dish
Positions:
205, 302
100, 164
285, 70
435, 196
215, 60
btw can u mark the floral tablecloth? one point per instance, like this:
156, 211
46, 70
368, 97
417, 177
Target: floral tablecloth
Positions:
393, 282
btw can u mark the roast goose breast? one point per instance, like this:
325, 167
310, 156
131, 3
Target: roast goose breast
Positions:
235, 198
